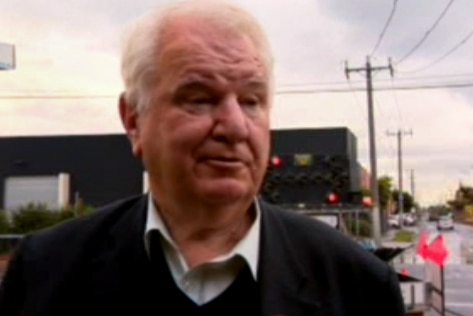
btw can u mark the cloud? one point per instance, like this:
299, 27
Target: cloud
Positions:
72, 48
59, 117
440, 147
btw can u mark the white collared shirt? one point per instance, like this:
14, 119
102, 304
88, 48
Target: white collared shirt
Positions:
206, 281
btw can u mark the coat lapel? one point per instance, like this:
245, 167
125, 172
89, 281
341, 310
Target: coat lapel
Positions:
285, 287
120, 272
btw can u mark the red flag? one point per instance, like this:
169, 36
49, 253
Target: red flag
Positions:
422, 245
437, 252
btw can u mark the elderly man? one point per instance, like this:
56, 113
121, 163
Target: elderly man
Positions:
196, 108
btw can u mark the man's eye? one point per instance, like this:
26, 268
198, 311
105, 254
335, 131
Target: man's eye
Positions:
201, 100
250, 101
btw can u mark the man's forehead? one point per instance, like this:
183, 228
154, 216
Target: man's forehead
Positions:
194, 35
232, 72
221, 83
190, 58
192, 23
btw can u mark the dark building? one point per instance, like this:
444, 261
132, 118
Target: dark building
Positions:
97, 169
313, 167
59, 170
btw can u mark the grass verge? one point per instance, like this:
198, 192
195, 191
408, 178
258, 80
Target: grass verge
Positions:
404, 236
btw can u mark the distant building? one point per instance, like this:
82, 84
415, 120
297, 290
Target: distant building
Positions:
365, 178
62, 170
97, 169
313, 167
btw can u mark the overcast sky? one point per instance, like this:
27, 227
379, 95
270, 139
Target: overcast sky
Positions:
71, 47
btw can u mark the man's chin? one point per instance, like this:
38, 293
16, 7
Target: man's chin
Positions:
227, 191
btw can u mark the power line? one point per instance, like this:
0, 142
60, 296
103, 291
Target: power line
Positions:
309, 90
435, 77
396, 102
448, 53
25, 97
63, 94
345, 90
343, 83
429, 31
383, 32
280, 92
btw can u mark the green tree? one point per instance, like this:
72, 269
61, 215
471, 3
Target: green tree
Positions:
467, 194
437, 210
407, 199
32, 217
385, 185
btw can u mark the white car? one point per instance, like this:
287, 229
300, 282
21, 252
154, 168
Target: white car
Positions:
393, 221
445, 222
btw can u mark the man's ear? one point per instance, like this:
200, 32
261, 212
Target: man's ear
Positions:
130, 120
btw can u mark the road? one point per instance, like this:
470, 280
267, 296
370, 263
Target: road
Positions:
458, 268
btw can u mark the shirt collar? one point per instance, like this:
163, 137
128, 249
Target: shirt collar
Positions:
247, 248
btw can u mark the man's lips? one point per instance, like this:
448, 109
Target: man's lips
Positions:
224, 162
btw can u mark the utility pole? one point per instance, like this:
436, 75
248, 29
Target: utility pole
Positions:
400, 199
421, 223
368, 69
413, 185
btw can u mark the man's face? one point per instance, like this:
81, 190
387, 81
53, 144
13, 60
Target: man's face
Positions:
206, 134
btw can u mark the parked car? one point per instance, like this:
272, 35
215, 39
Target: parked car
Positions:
409, 219
445, 222
393, 221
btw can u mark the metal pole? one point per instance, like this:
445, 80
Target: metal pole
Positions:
376, 212
400, 199
399, 171
442, 282
376, 229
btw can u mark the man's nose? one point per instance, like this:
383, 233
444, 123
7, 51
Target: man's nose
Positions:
231, 121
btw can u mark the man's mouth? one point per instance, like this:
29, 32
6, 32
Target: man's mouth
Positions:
224, 162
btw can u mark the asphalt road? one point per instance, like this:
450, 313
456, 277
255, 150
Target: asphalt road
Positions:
458, 269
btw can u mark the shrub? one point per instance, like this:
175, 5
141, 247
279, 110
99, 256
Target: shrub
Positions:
30, 218
404, 236
34, 216
4, 222
364, 227
78, 210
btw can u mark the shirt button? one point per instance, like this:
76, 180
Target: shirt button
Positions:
186, 284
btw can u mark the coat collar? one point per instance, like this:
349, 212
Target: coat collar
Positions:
120, 262
286, 288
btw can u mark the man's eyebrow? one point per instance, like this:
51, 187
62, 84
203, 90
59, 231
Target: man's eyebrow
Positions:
256, 84
193, 85
206, 84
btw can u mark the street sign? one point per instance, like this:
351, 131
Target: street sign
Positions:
7, 56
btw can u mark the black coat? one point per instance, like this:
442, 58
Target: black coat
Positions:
97, 265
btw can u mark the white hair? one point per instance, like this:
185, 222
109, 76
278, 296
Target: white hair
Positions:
142, 42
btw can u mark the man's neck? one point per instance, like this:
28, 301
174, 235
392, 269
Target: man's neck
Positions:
202, 235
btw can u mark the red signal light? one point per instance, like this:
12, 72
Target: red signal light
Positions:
276, 161
333, 198
367, 201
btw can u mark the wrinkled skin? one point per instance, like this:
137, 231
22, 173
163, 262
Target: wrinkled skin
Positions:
205, 138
